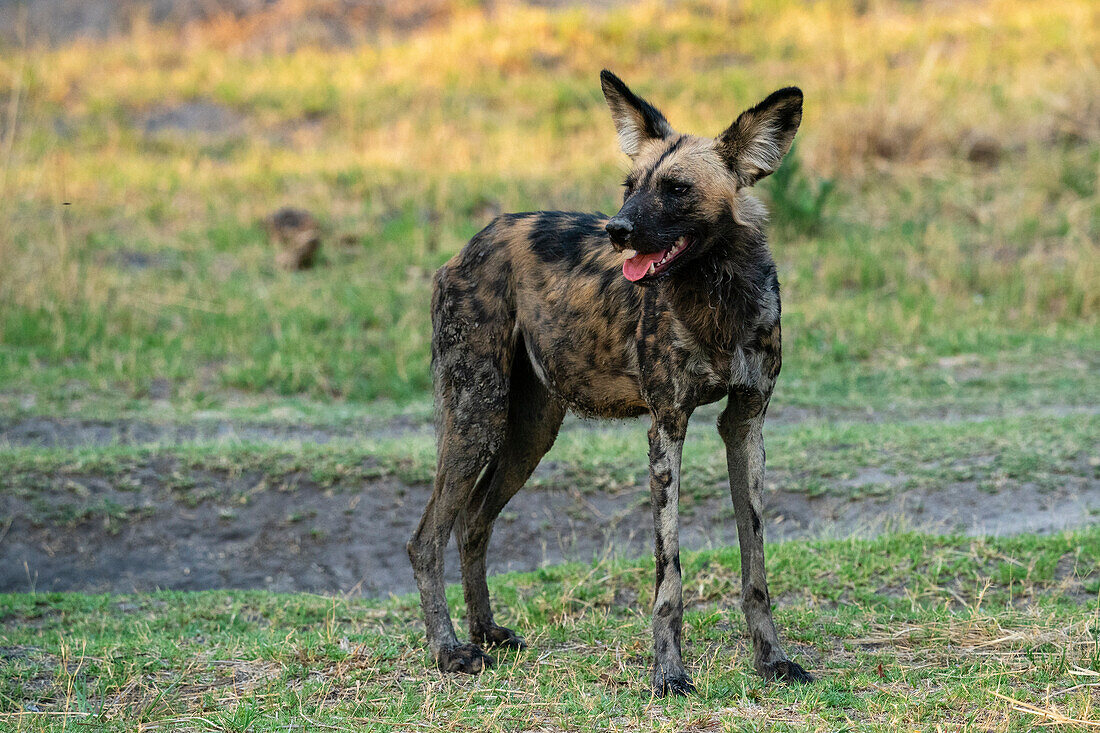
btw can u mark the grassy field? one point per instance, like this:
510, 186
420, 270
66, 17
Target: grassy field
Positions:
942, 203
906, 632
936, 231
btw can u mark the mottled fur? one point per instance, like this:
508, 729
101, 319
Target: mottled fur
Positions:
534, 317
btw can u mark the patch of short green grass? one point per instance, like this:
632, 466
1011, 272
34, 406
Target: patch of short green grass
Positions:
904, 631
814, 456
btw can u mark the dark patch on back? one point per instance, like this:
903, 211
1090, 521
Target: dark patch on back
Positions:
560, 237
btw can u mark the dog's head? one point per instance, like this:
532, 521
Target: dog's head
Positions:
681, 188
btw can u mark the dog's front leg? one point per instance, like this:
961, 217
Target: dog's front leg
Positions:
741, 426
666, 443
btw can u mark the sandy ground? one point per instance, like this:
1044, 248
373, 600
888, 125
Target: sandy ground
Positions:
301, 536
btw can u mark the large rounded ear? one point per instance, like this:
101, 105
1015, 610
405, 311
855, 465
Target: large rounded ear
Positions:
755, 144
636, 120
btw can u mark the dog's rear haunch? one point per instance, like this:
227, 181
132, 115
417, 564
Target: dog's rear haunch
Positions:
670, 304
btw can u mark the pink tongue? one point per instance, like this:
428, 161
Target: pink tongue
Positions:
637, 266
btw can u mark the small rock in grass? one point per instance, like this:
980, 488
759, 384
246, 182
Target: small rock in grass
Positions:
297, 235
983, 149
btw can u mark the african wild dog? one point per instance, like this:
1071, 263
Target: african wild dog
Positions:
670, 304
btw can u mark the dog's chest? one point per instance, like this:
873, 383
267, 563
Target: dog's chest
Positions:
693, 373
691, 355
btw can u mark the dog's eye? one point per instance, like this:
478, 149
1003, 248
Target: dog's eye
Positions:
680, 188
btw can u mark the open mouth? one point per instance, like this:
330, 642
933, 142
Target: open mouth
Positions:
650, 264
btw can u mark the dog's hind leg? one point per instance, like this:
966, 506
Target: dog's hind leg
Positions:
741, 427
471, 359
462, 457
534, 417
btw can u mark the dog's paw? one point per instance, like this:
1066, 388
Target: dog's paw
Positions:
671, 683
466, 658
499, 636
784, 670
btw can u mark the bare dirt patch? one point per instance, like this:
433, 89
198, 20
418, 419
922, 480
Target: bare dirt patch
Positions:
51, 432
82, 532
157, 523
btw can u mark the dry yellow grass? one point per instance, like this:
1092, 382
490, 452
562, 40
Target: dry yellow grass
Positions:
964, 139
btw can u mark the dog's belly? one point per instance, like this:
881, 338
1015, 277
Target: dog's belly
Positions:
594, 378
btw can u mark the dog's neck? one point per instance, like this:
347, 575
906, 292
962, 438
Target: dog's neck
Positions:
728, 294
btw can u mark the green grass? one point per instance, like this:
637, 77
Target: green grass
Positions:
903, 632
895, 251
812, 456
940, 322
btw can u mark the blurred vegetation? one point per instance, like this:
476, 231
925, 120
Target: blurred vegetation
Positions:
942, 205
798, 201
